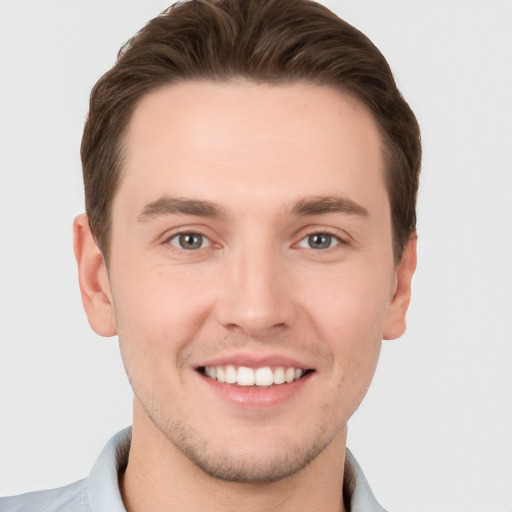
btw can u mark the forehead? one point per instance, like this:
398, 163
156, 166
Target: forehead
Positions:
211, 139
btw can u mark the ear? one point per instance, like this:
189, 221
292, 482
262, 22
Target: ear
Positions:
395, 324
93, 278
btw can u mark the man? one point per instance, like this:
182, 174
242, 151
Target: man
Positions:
250, 174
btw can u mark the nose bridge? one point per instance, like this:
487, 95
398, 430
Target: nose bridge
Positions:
255, 297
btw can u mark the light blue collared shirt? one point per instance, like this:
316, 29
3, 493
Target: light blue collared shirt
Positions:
99, 492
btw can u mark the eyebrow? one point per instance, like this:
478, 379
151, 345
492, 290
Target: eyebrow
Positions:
315, 205
319, 205
180, 206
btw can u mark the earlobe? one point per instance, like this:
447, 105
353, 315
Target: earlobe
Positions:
395, 324
93, 278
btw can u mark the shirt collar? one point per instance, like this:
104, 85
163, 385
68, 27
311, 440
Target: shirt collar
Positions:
356, 490
103, 481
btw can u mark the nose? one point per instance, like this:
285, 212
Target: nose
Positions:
257, 293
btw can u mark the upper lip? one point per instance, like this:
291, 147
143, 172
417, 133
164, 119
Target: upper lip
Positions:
255, 361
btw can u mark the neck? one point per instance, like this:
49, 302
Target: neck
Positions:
160, 478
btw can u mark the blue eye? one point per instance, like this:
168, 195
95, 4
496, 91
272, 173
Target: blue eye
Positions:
319, 241
189, 241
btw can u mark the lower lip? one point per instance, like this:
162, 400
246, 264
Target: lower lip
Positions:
253, 397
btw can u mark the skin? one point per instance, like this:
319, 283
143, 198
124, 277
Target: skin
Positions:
257, 288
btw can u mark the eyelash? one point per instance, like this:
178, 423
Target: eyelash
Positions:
331, 236
306, 239
178, 237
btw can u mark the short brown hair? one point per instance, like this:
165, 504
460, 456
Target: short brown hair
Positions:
263, 41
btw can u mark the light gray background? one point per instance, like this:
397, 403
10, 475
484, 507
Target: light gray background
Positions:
435, 431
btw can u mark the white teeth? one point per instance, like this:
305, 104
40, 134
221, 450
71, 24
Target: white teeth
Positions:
230, 374
221, 374
264, 377
279, 376
244, 376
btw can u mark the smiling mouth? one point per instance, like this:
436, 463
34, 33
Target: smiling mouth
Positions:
260, 377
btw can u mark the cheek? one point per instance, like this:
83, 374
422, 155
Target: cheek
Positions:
159, 306
350, 314
157, 317
351, 301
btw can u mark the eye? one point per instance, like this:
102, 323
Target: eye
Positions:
189, 241
319, 241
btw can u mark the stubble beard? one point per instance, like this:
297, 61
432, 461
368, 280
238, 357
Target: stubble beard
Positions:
237, 467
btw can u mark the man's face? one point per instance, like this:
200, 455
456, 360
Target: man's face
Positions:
251, 239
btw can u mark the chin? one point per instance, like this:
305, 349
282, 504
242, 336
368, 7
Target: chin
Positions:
263, 460
249, 468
